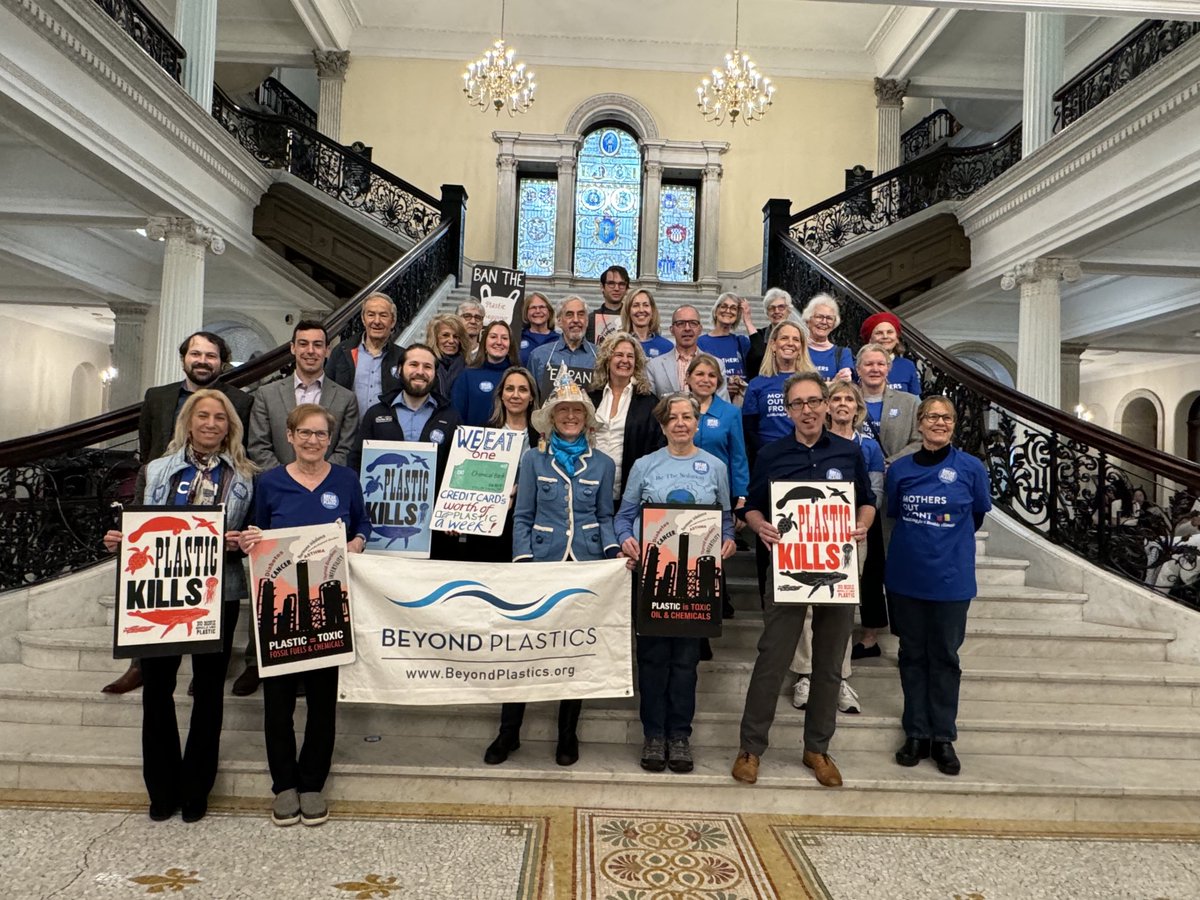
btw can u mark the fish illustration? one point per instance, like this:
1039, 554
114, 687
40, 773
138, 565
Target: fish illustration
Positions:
206, 523
171, 617
396, 533
801, 492
136, 629
841, 495
137, 559
397, 459
173, 524
816, 580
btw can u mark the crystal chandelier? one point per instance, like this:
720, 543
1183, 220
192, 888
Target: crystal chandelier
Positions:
494, 82
737, 91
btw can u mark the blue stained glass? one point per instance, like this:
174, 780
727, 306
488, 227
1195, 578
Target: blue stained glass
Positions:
537, 212
608, 190
677, 233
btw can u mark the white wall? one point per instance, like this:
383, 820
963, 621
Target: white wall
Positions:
1174, 387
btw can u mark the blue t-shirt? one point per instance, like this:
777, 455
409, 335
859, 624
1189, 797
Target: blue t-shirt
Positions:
656, 346
870, 425
474, 389
830, 362
531, 340
902, 376
282, 502
932, 552
663, 478
731, 349
872, 453
764, 398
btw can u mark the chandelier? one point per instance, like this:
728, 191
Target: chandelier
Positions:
738, 90
494, 82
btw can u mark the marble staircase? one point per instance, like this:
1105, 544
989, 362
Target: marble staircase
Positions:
1061, 719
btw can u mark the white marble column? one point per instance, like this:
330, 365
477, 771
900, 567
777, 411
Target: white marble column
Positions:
1039, 324
1069, 359
129, 338
331, 76
651, 206
181, 301
710, 208
196, 29
1045, 48
564, 217
889, 103
506, 209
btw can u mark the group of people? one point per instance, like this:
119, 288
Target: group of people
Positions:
614, 416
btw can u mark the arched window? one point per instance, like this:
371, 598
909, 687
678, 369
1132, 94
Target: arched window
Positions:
608, 191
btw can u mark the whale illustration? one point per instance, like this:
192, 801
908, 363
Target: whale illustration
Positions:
397, 459
173, 524
396, 533
171, 617
801, 492
816, 580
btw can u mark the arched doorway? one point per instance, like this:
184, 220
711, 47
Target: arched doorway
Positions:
1140, 423
1187, 428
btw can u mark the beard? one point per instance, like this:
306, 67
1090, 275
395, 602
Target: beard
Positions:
202, 375
420, 389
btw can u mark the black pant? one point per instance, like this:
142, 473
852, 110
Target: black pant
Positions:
930, 632
513, 714
171, 777
307, 773
873, 607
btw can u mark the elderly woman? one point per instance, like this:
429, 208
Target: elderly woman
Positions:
564, 511
722, 342
679, 472
938, 496
625, 425
447, 336
822, 315
884, 329
308, 491
778, 306
472, 392
205, 465
639, 317
537, 317
471, 313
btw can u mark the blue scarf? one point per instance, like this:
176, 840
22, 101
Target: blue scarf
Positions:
566, 453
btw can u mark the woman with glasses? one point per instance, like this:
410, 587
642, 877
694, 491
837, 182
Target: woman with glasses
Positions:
722, 342
822, 316
639, 317
626, 429
537, 315
938, 497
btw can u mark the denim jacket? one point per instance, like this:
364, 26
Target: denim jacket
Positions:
559, 516
237, 499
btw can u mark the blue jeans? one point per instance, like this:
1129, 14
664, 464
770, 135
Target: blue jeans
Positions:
930, 632
667, 685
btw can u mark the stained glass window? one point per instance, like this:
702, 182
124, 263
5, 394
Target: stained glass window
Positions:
608, 191
677, 232
537, 209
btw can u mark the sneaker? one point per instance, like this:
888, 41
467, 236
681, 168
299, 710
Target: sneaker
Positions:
848, 699
286, 808
313, 810
800, 693
654, 754
679, 755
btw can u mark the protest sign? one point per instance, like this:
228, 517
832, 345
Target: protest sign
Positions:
169, 581
300, 589
501, 292
432, 632
606, 324
399, 484
679, 581
548, 376
477, 484
816, 559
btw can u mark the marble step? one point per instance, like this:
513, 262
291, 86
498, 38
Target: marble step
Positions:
407, 769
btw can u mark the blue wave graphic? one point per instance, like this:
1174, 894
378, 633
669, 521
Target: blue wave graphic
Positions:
452, 590
548, 603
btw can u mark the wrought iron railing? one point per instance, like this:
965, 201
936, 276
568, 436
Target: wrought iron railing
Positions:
277, 97
935, 129
1138, 51
57, 488
1067, 479
333, 169
141, 25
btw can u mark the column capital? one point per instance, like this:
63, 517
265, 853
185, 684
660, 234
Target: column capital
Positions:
1045, 268
506, 162
331, 63
653, 169
890, 91
126, 310
713, 171
566, 165
160, 228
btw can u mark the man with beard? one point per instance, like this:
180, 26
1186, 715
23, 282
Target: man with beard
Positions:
204, 356
370, 367
579, 354
414, 413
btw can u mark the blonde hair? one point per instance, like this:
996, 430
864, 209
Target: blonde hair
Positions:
537, 295
455, 324
231, 446
803, 362
860, 408
627, 321
604, 355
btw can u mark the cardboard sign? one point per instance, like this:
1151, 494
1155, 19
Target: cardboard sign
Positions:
606, 324
399, 482
501, 291
300, 590
477, 484
816, 559
169, 581
679, 580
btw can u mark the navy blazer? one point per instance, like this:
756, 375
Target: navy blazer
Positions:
560, 516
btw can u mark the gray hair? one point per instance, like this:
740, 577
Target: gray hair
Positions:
469, 304
567, 299
379, 296
662, 409
728, 295
810, 308
871, 348
774, 294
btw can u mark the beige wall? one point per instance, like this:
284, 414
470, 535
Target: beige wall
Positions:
414, 114
1172, 388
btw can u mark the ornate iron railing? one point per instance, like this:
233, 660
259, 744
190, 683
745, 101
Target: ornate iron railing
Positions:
276, 96
141, 25
1138, 51
57, 488
936, 128
333, 169
1067, 479
949, 173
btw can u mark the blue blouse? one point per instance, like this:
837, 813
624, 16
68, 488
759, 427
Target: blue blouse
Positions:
720, 433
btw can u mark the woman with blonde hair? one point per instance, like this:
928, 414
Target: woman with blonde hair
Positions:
620, 390
447, 336
763, 412
639, 317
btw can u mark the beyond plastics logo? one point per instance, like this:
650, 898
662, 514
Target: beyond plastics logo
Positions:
516, 612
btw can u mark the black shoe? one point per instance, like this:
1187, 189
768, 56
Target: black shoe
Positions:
947, 761
858, 651
727, 610
498, 750
913, 751
195, 810
246, 683
160, 813
705, 650
567, 751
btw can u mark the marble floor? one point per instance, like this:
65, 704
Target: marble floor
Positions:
104, 846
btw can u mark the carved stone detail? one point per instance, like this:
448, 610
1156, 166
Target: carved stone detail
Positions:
890, 91
1046, 268
331, 63
160, 228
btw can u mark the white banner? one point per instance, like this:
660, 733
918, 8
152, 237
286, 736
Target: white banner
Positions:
430, 632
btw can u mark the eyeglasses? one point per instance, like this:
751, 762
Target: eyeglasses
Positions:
307, 434
472, 317
616, 284
686, 323
728, 307
811, 403
821, 318
937, 417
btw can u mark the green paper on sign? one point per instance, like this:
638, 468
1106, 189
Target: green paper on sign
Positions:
479, 475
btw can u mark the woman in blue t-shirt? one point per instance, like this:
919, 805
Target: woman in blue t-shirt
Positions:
473, 391
639, 317
730, 348
938, 496
537, 316
822, 315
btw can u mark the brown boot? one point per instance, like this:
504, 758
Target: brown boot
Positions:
130, 680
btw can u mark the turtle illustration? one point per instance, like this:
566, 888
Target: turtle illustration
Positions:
137, 559
786, 523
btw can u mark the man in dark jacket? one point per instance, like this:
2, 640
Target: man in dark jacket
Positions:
369, 368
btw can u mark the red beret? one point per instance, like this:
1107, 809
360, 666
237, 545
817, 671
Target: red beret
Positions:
875, 321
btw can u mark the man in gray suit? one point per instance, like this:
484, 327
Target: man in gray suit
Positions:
891, 415
268, 443
667, 373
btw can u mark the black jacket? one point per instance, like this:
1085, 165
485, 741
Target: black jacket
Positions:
156, 423
379, 424
340, 367
643, 434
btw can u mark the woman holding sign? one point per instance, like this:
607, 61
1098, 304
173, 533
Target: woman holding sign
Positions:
309, 491
205, 465
678, 473
938, 496
564, 511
